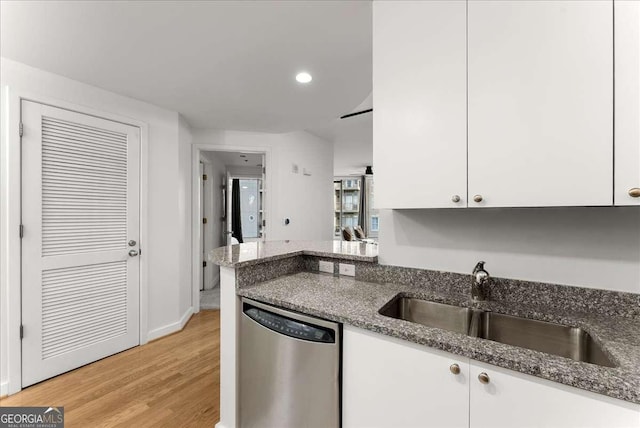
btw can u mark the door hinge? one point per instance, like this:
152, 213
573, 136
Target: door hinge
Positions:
21, 231
21, 331
204, 177
204, 220
264, 222
204, 264
21, 129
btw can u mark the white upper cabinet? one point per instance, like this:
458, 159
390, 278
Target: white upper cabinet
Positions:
627, 102
419, 104
540, 103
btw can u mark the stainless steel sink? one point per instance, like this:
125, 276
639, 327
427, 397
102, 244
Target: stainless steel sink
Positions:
556, 339
432, 314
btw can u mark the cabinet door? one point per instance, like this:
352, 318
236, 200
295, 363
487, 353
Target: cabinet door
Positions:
540, 103
627, 111
419, 104
513, 399
392, 383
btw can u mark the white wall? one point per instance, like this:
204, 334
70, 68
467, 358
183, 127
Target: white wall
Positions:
353, 145
589, 247
165, 178
216, 173
185, 206
306, 200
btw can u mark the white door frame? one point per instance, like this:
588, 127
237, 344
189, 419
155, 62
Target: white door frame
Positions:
10, 217
196, 222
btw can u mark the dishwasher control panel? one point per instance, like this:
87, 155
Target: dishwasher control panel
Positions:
288, 326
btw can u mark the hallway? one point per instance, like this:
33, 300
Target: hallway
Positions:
173, 381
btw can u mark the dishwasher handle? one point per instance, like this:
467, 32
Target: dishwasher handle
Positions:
289, 326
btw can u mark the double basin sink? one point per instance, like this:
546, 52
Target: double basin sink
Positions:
556, 339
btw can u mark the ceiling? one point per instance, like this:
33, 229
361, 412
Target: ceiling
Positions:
238, 159
222, 64
352, 139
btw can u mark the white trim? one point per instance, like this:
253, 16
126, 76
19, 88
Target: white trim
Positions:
173, 327
4, 387
12, 254
144, 232
196, 225
186, 317
11, 257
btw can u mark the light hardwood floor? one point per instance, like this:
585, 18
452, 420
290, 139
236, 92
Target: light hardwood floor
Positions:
171, 382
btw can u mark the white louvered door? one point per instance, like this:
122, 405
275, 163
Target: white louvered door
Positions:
80, 209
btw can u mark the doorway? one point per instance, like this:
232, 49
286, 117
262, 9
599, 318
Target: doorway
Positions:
231, 207
245, 211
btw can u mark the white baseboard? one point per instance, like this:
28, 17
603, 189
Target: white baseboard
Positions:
171, 328
4, 389
186, 317
219, 425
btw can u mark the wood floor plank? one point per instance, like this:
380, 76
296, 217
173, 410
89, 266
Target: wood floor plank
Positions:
173, 381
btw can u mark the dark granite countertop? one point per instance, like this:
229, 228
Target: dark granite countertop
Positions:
260, 252
356, 303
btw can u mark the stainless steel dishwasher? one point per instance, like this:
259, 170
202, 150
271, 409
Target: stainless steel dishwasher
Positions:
289, 369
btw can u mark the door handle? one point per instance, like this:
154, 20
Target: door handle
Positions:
133, 253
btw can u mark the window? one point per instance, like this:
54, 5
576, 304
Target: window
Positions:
375, 227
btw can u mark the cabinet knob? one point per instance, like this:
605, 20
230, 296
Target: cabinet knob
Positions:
477, 198
455, 198
483, 378
455, 369
634, 192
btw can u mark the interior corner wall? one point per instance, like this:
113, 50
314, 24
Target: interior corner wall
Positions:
185, 206
304, 199
161, 249
588, 247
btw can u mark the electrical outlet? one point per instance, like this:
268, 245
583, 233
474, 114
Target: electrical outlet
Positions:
326, 267
347, 269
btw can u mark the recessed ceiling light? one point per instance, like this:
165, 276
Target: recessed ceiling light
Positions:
303, 77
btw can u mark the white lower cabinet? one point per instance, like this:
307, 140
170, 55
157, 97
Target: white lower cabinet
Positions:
389, 382
512, 399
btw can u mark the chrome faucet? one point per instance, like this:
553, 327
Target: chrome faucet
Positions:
480, 278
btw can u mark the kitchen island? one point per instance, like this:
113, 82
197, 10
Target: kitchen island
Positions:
291, 280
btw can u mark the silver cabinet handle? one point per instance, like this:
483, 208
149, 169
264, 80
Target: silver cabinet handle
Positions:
455, 369
455, 198
477, 198
634, 192
132, 243
133, 253
483, 378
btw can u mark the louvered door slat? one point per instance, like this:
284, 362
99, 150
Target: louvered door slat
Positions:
81, 205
